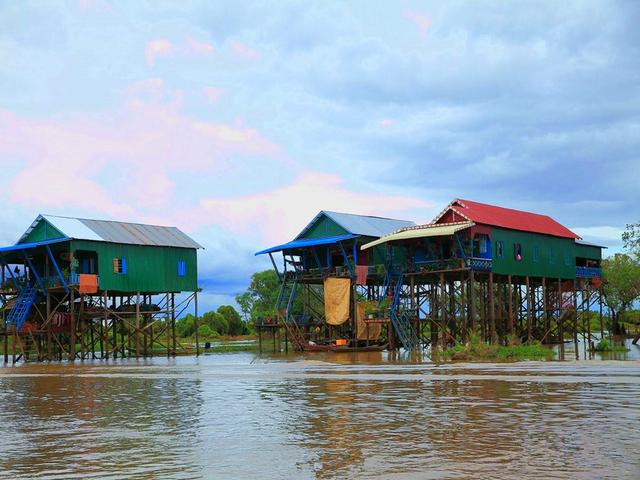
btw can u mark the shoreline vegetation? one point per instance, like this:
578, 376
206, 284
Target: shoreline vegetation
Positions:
478, 351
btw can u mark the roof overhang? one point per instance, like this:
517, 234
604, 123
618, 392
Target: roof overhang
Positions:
422, 231
28, 246
308, 242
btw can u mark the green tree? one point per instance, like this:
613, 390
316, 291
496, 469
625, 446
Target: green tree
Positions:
631, 238
216, 322
236, 325
262, 294
622, 285
206, 332
186, 326
245, 302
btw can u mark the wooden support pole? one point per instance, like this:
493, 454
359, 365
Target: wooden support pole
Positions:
575, 319
104, 325
560, 319
197, 320
173, 324
72, 326
530, 308
472, 302
168, 325
443, 309
137, 324
545, 311
492, 310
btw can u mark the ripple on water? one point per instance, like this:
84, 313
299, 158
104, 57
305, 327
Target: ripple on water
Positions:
230, 416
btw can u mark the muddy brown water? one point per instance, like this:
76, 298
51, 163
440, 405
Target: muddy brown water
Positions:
366, 415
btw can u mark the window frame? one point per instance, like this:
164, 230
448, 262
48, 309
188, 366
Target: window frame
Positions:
499, 248
517, 249
182, 268
120, 266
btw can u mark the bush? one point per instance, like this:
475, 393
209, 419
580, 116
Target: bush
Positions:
205, 332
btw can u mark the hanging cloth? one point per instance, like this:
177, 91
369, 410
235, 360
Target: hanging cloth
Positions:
366, 331
361, 274
337, 294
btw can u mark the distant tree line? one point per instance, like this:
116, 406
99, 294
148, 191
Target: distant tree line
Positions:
621, 274
224, 321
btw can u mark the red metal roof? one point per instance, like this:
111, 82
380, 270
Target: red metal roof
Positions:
483, 213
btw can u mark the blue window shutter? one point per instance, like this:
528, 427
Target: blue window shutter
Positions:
124, 266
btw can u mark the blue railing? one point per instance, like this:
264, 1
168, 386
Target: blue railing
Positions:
482, 264
588, 272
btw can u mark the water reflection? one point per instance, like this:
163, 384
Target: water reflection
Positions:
320, 416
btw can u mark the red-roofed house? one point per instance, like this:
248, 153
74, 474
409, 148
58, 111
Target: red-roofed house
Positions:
502, 240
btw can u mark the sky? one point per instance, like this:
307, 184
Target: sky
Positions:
238, 121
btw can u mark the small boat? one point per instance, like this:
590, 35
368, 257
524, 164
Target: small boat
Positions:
344, 348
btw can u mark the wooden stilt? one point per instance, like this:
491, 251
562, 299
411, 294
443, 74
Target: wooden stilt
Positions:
197, 320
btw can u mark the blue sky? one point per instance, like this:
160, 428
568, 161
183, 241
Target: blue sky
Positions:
238, 121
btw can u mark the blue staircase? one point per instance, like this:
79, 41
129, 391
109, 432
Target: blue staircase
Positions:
400, 320
20, 310
284, 309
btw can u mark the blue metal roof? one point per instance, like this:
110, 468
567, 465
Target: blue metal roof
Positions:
26, 246
308, 242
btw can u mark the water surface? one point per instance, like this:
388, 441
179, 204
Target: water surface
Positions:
319, 416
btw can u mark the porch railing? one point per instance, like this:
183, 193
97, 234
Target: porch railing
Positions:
588, 272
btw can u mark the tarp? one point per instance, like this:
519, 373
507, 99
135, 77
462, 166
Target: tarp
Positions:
366, 331
442, 230
308, 242
337, 294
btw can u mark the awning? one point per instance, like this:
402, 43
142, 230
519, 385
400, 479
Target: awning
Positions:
308, 242
27, 246
436, 230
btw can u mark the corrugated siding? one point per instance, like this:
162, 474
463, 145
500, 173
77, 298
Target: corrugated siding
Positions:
588, 251
149, 268
42, 231
548, 247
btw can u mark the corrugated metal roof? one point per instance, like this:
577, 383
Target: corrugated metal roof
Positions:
308, 242
493, 215
422, 231
589, 244
119, 232
361, 224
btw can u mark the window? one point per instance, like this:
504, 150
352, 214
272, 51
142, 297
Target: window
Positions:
517, 251
120, 266
182, 268
567, 257
483, 244
536, 253
552, 256
499, 249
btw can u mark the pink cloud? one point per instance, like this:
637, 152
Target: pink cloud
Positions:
420, 20
120, 162
213, 94
160, 47
198, 47
278, 215
244, 51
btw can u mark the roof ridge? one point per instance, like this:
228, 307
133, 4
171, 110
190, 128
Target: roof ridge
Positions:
44, 215
506, 208
367, 216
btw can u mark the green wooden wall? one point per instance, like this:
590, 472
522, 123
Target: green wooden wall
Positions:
324, 227
588, 251
149, 268
556, 256
43, 231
